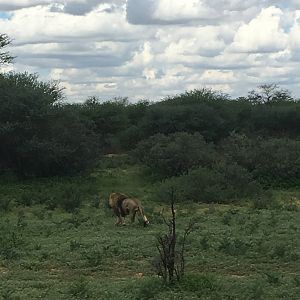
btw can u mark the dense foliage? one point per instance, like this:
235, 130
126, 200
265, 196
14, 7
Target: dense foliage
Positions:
274, 161
175, 154
224, 183
38, 135
192, 133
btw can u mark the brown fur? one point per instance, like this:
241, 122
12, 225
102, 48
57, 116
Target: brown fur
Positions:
123, 205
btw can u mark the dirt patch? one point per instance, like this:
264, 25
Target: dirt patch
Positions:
237, 275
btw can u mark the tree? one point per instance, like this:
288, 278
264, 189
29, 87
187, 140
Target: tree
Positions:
5, 56
39, 135
269, 93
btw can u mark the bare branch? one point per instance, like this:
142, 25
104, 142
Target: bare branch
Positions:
172, 262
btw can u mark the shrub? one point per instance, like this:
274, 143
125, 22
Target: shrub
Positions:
222, 184
200, 284
233, 246
174, 154
11, 242
279, 250
8, 294
80, 289
278, 162
273, 278
5, 203
71, 199
39, 136
150, 289
25, 199
263, 201
74, 245
93, 256
271, 161
39, 212
204, 242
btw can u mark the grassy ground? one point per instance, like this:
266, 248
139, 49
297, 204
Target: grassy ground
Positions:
50, 250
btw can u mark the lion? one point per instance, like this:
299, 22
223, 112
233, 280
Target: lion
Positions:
124, 205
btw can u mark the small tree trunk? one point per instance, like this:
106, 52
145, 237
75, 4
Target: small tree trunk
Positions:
172, 239
171, 261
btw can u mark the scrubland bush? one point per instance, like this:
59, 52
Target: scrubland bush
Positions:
39, 135
174, 154
79, 289
11, 242
222, 184
271, 161
5, 203
70, 200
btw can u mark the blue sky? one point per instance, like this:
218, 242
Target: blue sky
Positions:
5, 15
149, 49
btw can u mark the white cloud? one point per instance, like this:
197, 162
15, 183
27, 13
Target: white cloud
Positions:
218, 77
39, 24
166, 12
75, 7
262, 34
294, 38
187, 43
170, 10
154, 48
144, 56
17, 4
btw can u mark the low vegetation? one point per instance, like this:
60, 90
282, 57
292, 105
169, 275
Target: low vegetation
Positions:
52, 250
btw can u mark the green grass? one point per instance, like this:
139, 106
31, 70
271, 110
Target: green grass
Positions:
47, 253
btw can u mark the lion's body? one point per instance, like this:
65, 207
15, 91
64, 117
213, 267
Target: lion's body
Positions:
124, 205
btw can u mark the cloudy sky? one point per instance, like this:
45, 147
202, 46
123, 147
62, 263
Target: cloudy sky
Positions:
148, 49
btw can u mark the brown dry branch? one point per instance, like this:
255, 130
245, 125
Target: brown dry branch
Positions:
171, 263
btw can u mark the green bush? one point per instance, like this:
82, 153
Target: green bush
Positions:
39, 136
272, 161
224, 183
79, 289
278, 162
233, 246
5, 203
150, 289
174, 154
94, 256
11, 242
71, 199
264, 200
201, 284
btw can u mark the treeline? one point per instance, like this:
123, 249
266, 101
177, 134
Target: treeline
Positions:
201, 135
215, 116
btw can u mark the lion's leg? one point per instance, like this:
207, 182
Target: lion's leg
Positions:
125, 213
133, 216
118, 214
119, 220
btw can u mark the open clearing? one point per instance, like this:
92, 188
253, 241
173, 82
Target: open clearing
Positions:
235, 253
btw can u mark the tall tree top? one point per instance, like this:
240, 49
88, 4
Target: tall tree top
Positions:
5, 56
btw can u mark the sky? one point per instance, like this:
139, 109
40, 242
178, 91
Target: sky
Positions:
151, 49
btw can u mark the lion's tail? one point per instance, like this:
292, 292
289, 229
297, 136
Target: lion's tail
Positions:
142, 213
